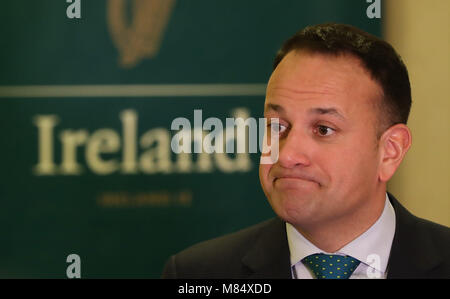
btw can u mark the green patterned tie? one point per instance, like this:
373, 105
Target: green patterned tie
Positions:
326, 266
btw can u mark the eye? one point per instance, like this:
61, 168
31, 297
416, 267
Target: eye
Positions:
277, 127
323, 130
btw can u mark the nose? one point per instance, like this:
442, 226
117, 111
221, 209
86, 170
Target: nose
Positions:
294, 150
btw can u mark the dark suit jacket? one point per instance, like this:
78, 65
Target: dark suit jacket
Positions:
420, 249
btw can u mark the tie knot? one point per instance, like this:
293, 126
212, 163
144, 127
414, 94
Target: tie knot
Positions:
326, 266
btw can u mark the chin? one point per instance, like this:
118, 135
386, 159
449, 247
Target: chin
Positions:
293, 208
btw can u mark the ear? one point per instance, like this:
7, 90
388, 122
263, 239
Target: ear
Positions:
394, 143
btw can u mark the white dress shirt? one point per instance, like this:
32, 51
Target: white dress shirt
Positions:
372, 248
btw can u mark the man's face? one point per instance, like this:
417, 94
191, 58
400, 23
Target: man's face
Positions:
328, 160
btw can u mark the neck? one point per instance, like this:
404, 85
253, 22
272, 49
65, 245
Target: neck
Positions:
339, 231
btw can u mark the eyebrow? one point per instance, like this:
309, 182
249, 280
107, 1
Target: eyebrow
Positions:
331, 111
274, 107
318, 110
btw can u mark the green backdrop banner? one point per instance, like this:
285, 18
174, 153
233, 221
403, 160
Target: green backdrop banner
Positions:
86, 110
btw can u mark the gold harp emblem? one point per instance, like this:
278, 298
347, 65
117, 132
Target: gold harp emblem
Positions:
137, 33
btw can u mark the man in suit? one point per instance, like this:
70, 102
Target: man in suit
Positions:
341, 98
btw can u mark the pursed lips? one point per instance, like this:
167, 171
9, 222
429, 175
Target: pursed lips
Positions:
295, 176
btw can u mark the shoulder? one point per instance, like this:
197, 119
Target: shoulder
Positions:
439, 235
218, 257
422, 229
433, 246
229, 243
421, 248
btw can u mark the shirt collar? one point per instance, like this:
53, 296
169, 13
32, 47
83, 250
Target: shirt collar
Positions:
371, 248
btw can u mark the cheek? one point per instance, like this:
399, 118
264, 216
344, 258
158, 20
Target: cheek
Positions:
264, 176
351, 165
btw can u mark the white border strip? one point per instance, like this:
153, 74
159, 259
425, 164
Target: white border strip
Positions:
154, 90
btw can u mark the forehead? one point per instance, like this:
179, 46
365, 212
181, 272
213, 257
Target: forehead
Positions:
308, 79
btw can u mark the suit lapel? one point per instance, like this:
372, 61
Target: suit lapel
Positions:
269, 256
412, 254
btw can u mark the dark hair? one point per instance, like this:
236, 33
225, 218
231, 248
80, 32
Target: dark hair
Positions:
378, 57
